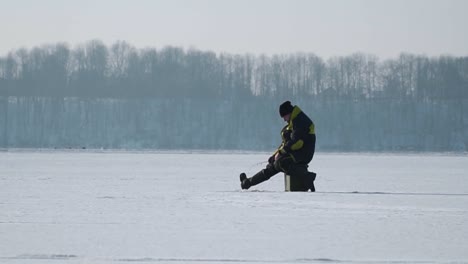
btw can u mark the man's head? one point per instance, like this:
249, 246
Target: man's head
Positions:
285, 110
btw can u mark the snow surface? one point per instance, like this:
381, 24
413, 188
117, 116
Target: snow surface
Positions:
160, 207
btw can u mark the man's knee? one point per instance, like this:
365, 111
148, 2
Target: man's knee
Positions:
283, 164
271, 169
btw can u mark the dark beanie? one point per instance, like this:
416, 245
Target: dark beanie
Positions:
285, 108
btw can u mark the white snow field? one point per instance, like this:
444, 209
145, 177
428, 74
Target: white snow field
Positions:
163, 207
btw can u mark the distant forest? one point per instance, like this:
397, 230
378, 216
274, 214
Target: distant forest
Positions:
118, 96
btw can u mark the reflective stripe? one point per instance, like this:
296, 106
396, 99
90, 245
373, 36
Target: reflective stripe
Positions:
312, 129
297, 145
296, 111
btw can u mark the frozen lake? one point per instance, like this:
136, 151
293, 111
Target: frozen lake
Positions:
149, 207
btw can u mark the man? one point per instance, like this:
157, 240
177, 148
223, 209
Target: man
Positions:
295, 152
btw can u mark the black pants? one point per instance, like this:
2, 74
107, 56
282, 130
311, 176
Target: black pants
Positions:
295, 167
284, 164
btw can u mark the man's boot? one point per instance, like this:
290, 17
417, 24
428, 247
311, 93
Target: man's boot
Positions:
245, 182
310, 179
260, 177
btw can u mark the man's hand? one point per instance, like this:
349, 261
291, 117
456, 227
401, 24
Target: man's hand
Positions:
271, 160
274, 158
277, 155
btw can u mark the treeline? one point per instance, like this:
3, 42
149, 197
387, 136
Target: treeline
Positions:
57, 96
95, 70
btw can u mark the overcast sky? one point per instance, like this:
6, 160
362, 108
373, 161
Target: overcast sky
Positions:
325, 27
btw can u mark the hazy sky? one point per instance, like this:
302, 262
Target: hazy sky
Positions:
324, 27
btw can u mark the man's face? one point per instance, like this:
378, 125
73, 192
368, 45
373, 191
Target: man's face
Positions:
287, 117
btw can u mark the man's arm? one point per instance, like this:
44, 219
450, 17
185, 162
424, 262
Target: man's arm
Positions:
296, 142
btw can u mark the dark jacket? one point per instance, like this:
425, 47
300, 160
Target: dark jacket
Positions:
298, 137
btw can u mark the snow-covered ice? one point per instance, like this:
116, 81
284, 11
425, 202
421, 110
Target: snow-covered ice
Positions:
161, 207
